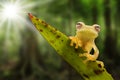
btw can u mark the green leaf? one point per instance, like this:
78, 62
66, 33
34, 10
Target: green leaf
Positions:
92, 70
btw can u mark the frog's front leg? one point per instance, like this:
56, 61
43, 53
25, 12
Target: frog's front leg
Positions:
74, 40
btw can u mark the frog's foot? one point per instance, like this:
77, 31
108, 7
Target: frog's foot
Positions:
88, 58
91, 57
83, 56
76, 46
70, 37
73, 41
100, 64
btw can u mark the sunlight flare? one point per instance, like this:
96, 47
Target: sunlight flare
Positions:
13, 14
11, 11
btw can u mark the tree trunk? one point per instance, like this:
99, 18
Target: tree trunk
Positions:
94, 12
110, 42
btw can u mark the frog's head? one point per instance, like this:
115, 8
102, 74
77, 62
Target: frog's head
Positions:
86, 31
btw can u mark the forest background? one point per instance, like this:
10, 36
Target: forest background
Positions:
26, 55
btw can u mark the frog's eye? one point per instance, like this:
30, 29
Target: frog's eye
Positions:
97, 27
79, 25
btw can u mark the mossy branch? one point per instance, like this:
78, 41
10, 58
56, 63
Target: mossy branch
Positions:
92, 70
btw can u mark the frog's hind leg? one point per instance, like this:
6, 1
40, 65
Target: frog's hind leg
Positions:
87, 57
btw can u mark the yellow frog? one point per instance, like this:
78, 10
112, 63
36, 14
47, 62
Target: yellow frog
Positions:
85, 37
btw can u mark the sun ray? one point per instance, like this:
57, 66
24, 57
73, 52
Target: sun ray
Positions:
13, 14
13, 8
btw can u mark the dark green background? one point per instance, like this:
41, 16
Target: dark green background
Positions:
28, 55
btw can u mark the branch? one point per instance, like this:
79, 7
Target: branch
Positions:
92, 70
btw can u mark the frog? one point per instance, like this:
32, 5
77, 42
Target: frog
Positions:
85, 38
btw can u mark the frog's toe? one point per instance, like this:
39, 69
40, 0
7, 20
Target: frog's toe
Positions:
83, 56
100, 64
76, 46
71, 44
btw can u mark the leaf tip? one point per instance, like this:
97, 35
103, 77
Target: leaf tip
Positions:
30, 15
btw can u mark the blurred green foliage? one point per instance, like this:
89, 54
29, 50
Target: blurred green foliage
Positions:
27, 56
